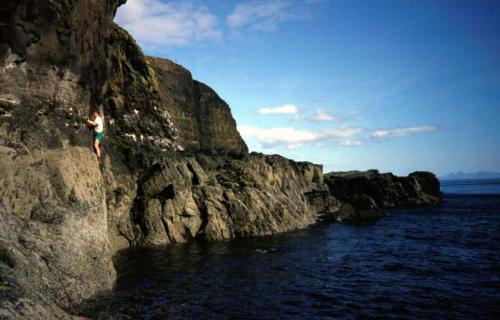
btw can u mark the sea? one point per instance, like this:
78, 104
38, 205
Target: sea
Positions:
439, 262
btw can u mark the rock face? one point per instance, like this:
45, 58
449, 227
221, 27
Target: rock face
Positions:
53, 226
370, 190
58, 33
53, 231
204, 120
217, 198
136, 114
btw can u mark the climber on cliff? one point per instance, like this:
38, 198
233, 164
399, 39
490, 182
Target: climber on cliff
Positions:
98, 125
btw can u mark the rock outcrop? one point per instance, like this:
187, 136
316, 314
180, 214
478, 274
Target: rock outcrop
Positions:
218, 198
369, 191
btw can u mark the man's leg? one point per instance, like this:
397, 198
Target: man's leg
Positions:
97, 149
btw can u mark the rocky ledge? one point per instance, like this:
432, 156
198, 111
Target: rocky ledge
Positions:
175, 169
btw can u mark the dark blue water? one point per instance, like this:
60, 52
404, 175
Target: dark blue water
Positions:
438, 262
486, 186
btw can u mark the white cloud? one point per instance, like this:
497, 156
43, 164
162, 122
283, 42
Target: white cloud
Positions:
293, 138
324, 116
154, 23
343, 132
264, 15
319, 115
350, 143
401, 132
284, 109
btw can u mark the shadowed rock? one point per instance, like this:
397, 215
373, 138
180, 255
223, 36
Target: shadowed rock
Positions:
371, 190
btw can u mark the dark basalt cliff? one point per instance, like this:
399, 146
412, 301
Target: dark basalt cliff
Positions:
63, 216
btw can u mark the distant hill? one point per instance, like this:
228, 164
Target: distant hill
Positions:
464, 175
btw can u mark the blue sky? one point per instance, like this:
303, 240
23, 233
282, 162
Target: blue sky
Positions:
394, 85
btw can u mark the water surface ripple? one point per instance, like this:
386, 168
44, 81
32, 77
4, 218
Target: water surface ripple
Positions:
440, 262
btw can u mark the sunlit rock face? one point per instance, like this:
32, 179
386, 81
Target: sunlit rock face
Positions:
218, 198
203, 119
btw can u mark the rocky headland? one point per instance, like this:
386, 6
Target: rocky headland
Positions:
175, 168
367, 193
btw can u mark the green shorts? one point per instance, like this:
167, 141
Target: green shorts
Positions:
98, 136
